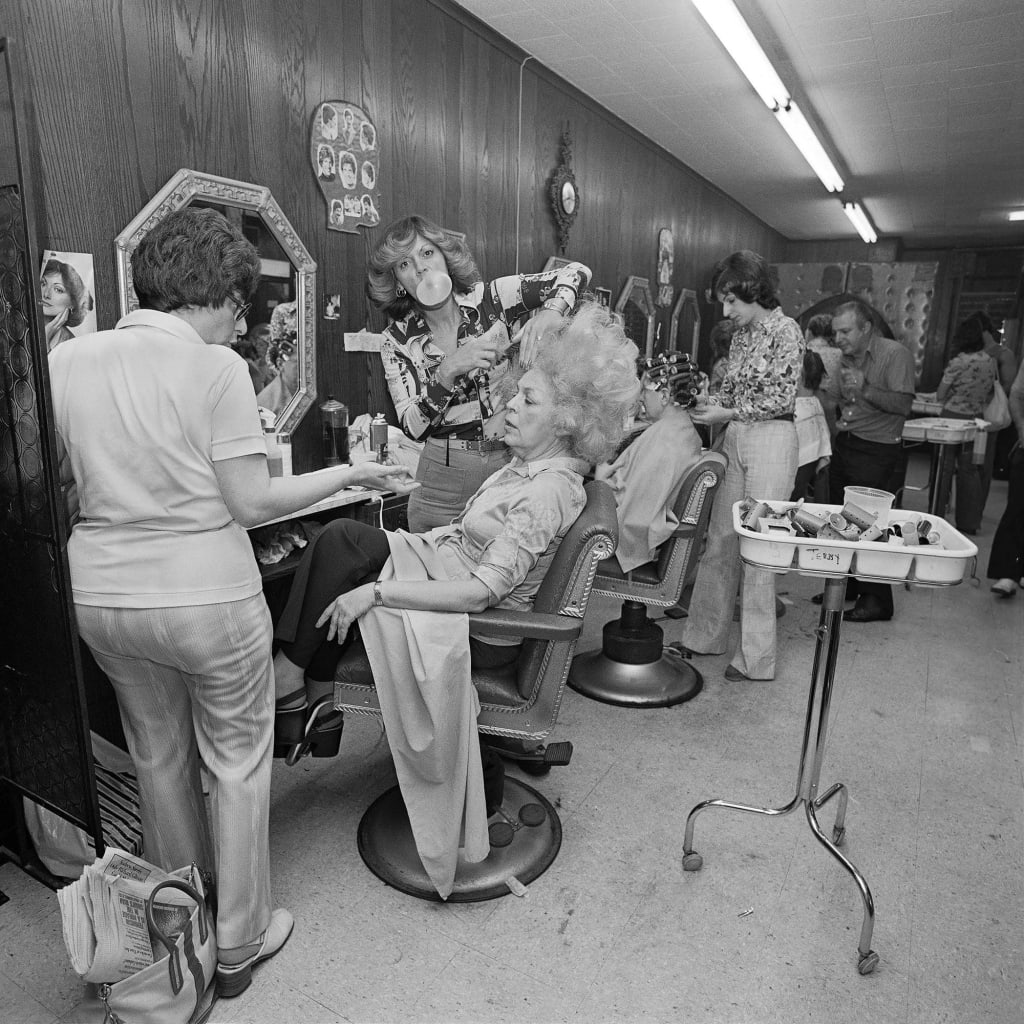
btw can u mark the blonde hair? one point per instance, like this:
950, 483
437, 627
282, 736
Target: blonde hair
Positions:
397, 243
592, 368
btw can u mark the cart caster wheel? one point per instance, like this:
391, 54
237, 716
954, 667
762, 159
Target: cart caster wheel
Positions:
692, 862
838, 834
868, 962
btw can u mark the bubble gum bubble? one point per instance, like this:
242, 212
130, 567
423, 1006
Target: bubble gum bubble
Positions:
434, 289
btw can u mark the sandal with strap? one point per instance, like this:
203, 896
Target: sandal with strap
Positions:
314, 730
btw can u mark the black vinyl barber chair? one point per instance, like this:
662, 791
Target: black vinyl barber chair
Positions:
633, 667
518, 703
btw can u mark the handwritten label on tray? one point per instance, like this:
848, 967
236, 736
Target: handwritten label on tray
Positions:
823, 558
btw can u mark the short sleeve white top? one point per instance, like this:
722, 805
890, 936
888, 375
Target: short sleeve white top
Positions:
144, 411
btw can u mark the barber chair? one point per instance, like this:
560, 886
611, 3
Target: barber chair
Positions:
518, 703
634, 668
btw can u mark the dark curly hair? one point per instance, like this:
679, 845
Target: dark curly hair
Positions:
194, 258
746, 275
969, 336
820, 326
397, 243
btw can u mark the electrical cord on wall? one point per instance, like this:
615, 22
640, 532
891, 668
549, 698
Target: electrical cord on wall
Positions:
519, 150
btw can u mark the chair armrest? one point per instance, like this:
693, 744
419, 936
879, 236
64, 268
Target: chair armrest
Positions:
684, 530
532, 625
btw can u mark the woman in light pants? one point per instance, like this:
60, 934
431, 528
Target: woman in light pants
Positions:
756, 401
162, 453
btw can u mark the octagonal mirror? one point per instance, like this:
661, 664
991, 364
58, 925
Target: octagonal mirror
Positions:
636, 306
287, 274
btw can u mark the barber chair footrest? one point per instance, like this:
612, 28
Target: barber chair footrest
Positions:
659, 684
527, 825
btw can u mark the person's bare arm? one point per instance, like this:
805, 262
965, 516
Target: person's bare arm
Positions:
253, 496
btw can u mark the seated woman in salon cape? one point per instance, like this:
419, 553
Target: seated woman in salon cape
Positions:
647, 475
410, 593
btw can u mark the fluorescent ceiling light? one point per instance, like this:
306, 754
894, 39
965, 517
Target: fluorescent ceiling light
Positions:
1016, 215
727, 23
792, 119
859, 219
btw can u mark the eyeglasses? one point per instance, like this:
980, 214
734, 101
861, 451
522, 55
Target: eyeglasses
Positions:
241, 309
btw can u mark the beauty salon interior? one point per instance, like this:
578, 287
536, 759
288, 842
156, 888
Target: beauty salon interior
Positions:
675, 344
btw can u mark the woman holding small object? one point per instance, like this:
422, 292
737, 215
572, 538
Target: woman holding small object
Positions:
446, 354
756, 402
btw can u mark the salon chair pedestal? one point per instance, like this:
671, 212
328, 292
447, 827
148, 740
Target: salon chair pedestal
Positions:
633, 667
525, 839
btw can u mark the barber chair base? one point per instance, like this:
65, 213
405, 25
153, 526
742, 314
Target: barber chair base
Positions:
528, 820
656, 684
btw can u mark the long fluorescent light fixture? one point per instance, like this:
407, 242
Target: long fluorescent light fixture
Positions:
1016, 215
859, 219
792, 119
727, 23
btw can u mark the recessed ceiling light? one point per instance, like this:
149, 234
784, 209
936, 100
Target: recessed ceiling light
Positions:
1016, 215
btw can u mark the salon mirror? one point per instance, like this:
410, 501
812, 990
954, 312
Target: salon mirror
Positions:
288, 274
636, 306
684, 334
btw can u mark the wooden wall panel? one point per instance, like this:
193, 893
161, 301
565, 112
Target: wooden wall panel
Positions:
137, 90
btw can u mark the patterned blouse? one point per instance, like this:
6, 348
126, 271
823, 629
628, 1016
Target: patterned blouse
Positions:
411, 358
765, 361
970, 377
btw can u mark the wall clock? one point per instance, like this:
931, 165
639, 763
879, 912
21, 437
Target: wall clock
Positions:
564, 193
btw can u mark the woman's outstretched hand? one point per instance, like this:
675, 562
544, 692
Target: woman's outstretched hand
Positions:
344, 610
383, 477
711, 414
528, 337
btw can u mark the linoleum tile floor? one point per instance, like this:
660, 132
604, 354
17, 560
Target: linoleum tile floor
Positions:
925, 731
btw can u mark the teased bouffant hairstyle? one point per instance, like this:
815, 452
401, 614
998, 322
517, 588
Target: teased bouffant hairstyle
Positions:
284, 333
398, 240
81, 298
591, 366
820, 326
746, 275
194, 257
969, 336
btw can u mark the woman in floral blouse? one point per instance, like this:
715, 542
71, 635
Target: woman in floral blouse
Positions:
446, 356
756, 401
967, 385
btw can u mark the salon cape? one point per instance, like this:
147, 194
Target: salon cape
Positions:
421, 667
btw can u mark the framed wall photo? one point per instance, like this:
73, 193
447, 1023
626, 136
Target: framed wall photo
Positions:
604, 296
555, 263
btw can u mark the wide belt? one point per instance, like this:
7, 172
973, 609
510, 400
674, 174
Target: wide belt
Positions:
484, 444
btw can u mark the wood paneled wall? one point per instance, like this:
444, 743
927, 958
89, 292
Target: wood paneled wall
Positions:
122, 94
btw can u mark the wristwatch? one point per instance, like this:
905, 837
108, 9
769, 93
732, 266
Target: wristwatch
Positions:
378, 599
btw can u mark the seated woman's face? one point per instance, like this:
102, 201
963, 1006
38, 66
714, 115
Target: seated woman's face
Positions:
530, 419
56, 297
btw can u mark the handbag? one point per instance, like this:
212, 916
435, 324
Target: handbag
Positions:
178, 988
997, 412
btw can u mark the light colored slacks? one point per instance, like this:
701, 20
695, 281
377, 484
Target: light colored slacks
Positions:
191, 682
762, 464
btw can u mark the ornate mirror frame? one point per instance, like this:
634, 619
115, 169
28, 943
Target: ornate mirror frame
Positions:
187, 186
687, 297
637, 291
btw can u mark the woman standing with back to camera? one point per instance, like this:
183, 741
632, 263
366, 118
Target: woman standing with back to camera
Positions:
756, 401
444, 354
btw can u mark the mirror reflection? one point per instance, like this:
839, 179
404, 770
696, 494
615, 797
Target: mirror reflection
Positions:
279, 345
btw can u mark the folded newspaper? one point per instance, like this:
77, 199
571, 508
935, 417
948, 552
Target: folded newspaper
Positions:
103, 915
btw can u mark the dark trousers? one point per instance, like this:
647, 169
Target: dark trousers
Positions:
1006, 561
863, 464
343, 556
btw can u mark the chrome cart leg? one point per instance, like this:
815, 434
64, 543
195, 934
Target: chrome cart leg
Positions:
867, 958
812, 751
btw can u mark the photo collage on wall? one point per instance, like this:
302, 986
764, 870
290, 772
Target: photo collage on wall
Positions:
346, 161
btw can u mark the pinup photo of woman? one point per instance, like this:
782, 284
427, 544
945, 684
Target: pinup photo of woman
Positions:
65, 287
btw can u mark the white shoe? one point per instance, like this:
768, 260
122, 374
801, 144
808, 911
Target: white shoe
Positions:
234, 966
1004, 588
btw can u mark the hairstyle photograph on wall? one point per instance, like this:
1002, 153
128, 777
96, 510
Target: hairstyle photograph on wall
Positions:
348, 172
332, 307
66, 293
604, 296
